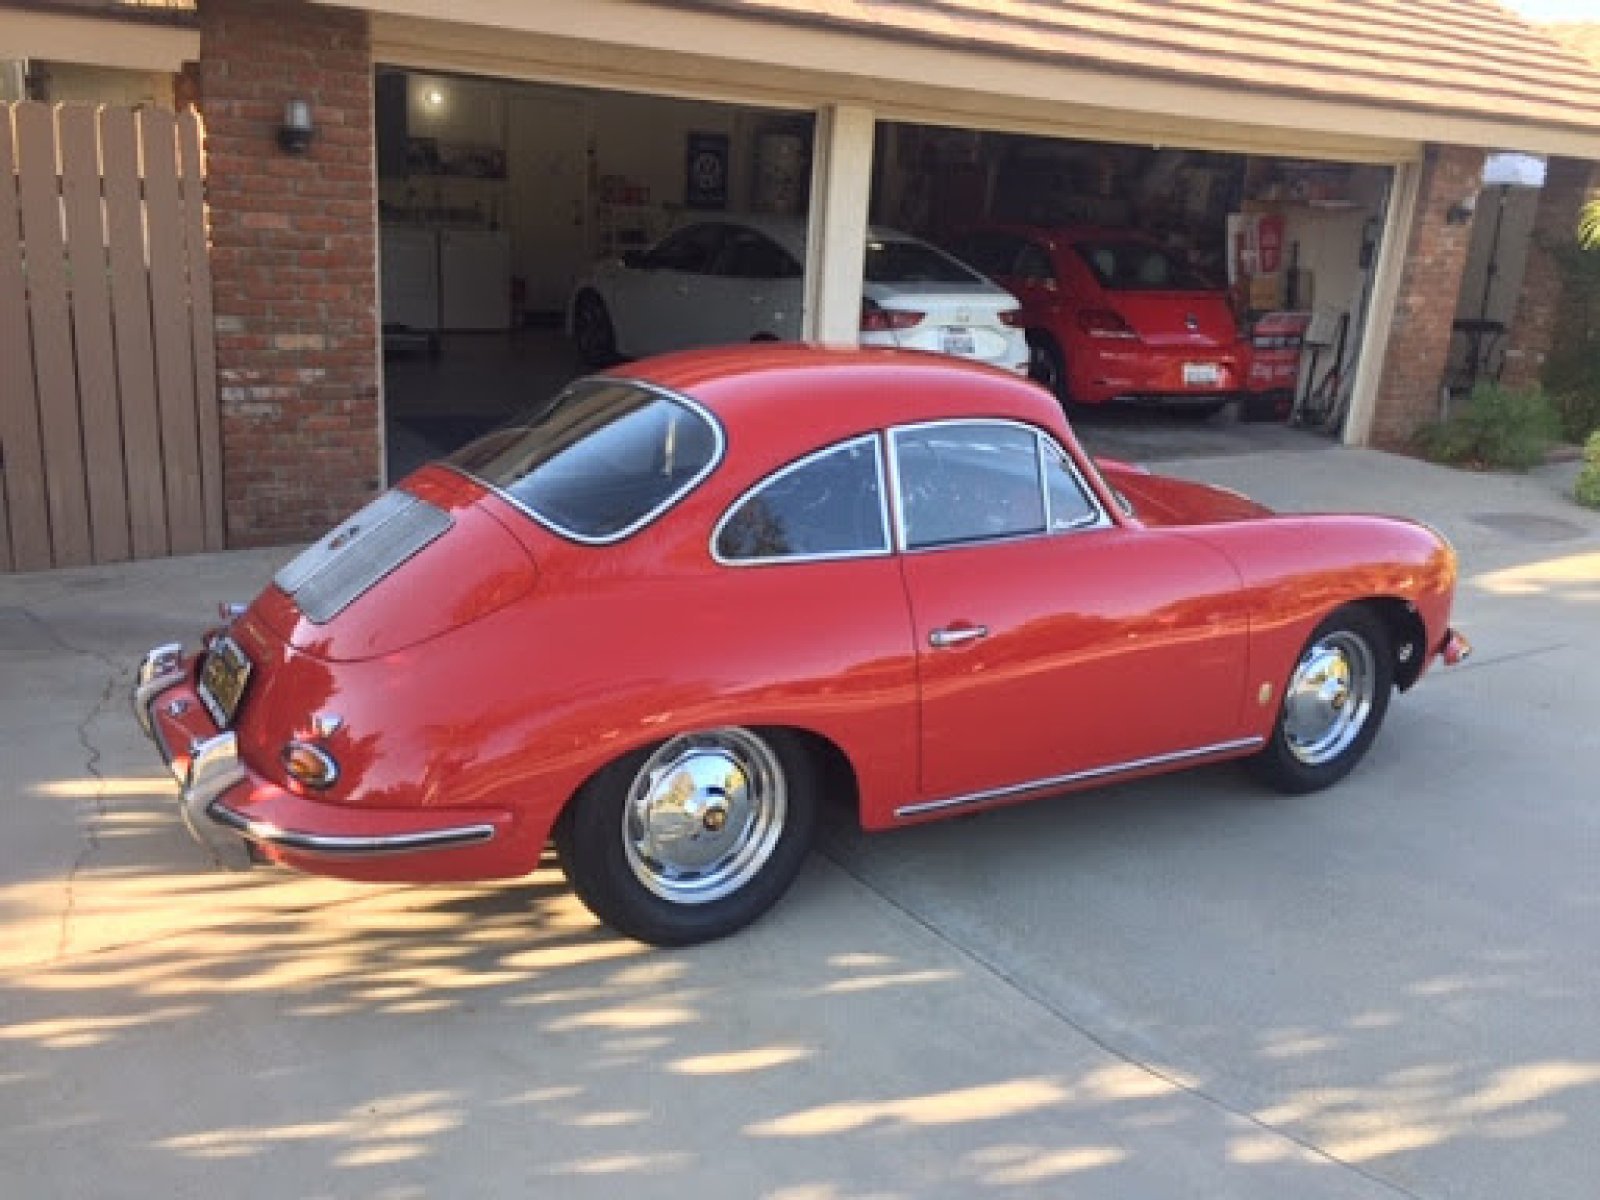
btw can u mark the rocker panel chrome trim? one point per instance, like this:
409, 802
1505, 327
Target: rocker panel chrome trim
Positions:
1057, 781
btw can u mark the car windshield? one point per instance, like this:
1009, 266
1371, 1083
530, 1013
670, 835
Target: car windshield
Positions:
600, 461
891, 260
1139, 267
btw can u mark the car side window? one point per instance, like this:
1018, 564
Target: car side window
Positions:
1070, 505
827, 505
968, 481
690, 250
750, 255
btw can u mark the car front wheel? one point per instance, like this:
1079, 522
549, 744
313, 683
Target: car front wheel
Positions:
1334, 702
691, 839
593, 332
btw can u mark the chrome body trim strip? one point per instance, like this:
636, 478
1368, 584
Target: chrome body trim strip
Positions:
1057, 781
346, 846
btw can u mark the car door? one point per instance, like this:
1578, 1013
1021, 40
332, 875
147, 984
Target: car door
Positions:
1053, 642
655, 307
754, 289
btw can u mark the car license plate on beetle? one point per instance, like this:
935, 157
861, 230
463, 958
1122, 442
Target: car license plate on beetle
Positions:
222, 680
959, 341
1201, 374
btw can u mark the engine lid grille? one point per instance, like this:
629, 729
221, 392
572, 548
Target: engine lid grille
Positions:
328, 577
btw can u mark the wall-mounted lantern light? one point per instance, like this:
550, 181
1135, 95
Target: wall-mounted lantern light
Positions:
295, 134
1460, 213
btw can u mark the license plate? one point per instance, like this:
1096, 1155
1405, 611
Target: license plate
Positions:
959, 341
1201, 374
222, 680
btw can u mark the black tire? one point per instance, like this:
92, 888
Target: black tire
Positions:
1198, 412
1047, 366
621, 867
592, 331
1332, 705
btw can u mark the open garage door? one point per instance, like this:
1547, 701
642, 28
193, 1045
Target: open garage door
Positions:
509, 210
1157, 280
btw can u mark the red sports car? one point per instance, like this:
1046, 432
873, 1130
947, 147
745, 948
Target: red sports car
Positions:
658, 615
1111, 315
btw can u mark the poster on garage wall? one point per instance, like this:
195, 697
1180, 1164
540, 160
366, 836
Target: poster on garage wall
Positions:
706, 171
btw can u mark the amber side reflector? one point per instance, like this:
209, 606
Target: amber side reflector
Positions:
310, 765
1456, 649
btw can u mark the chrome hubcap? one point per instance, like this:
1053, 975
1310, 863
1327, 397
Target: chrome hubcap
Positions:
1329, 698
704, 815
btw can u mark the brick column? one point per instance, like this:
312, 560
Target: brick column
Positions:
1430, 282
1568, 184
294, 276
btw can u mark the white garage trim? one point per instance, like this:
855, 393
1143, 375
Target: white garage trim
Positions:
631, 47
841, 187
1393, 247
95, 42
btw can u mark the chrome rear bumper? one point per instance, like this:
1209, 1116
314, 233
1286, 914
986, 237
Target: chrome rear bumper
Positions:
207, 766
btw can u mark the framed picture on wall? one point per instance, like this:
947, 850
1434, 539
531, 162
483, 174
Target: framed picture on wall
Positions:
706, 171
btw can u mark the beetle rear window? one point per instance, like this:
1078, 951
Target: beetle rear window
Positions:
601, 461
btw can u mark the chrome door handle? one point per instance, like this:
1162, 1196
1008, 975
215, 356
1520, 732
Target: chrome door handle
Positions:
957, 635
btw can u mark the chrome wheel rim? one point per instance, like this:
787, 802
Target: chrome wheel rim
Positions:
704, 815
1329, 698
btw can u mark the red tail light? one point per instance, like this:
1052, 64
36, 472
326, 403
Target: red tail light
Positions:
1011, 317
877, 319
1103, 323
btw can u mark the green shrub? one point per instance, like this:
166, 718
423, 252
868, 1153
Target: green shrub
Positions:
1498, 427
1572, 374
1587, 490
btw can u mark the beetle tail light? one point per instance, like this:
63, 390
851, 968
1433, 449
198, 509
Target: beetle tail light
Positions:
877, 319
1104, 323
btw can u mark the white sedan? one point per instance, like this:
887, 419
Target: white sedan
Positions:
736, 279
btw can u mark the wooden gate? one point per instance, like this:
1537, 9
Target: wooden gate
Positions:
109, 439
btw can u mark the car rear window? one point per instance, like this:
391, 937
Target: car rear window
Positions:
600, 461
1139, 267
890, 260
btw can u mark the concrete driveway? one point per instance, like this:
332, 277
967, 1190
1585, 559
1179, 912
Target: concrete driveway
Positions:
1181, 988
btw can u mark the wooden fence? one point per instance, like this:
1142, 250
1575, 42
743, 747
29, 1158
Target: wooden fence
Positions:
109, 439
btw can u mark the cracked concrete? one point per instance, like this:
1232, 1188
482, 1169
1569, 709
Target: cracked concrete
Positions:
1181, 988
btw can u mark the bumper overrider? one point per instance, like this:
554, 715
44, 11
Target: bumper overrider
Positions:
242, 818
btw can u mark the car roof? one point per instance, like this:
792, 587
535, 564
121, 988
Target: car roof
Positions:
779, 399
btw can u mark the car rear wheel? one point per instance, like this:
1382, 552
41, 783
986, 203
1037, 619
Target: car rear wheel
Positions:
1047, 366
693, 838
593, 332
1334, 702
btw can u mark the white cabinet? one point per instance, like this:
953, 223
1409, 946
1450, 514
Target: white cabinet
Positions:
449, 279
475, 279
410, 258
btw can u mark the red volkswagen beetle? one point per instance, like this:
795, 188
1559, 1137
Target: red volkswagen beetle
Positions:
657, 615
1112, 315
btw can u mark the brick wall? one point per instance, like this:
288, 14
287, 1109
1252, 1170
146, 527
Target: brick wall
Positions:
1419, 339
1568, 183
294, 239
